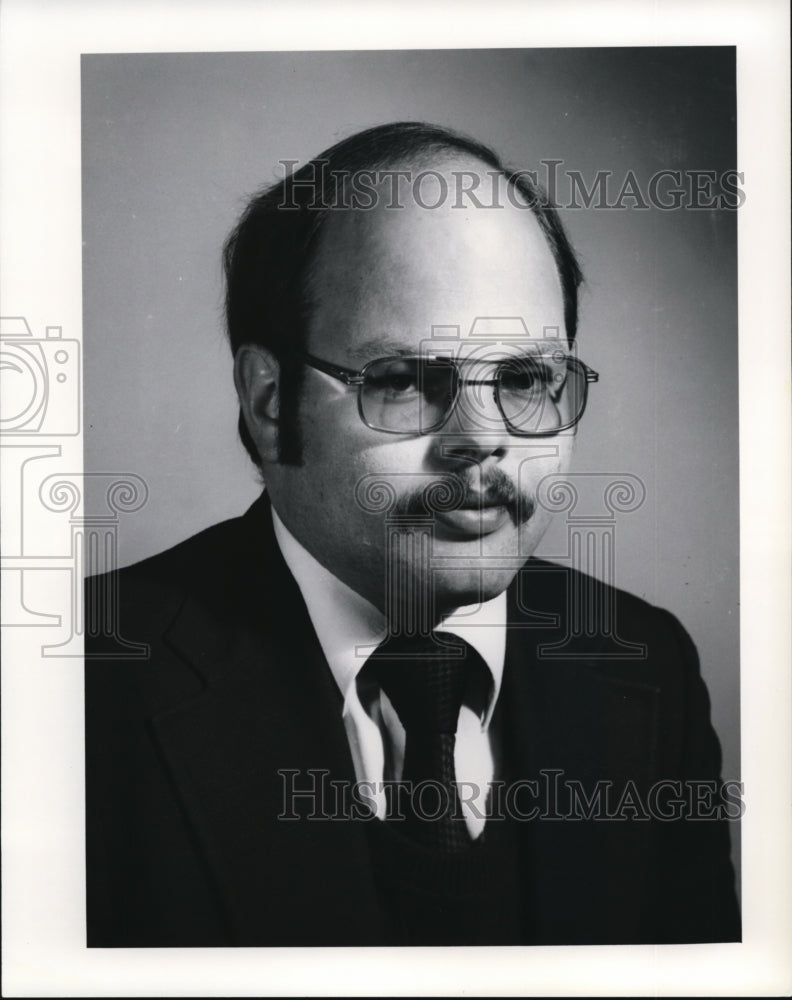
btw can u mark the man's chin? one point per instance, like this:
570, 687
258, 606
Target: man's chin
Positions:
459, 588
473, 570
457, 570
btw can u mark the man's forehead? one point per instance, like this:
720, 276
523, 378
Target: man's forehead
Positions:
446, 242
383, 277
426, 192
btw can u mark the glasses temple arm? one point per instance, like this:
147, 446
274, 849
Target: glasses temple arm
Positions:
346, 375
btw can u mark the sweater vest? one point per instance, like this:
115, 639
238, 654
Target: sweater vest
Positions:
470, 897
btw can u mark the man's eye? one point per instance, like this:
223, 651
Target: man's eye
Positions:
400, 382
520, 381
395, 380
523, 378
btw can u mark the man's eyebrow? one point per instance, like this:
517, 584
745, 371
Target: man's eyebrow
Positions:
380, 347
384, 347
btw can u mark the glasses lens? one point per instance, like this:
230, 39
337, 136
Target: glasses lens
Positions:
408, 395
541, 395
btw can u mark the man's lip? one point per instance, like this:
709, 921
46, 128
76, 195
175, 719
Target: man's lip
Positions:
479, 505
473, 501
472, 522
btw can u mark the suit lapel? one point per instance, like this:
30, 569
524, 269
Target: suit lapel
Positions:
268, 723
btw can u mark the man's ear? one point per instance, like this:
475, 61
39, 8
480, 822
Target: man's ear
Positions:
257, 377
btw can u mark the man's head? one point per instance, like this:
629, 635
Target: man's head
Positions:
367, 257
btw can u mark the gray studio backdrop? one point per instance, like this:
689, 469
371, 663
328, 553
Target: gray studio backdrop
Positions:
173, 144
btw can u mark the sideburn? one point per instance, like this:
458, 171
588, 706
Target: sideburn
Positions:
290, 446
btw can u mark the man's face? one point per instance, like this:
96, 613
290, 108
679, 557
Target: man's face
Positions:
383, 279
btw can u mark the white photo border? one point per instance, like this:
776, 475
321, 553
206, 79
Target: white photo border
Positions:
42, 704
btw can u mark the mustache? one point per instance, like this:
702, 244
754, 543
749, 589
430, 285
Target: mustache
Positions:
455, 491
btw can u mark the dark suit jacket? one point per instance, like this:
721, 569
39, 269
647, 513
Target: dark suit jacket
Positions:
183, 750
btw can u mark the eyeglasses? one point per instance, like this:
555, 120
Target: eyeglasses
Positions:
537, 395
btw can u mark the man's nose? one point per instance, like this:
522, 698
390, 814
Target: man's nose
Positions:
475, 430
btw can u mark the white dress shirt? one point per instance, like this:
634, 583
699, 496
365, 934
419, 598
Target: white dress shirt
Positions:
349, 629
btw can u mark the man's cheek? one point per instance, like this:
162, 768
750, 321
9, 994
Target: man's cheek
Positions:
531, 532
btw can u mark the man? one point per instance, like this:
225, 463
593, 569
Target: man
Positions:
365, 717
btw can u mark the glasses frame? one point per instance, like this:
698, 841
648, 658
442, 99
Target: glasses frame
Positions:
357, 379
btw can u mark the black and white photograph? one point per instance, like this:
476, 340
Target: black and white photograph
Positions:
435, 354
397, 478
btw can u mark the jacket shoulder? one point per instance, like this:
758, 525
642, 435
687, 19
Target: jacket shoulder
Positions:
551, 588
568, 621
202, 551
212, 568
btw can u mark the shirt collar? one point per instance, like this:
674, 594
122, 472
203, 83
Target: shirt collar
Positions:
349, 627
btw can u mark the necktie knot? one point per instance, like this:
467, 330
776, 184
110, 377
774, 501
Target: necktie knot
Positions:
424, 679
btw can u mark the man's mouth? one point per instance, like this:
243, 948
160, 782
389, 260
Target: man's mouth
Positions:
472, 521
468, 510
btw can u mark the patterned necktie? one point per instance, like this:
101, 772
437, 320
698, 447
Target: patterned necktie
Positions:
426, 684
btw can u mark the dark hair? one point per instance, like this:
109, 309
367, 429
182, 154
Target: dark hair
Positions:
268, 256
